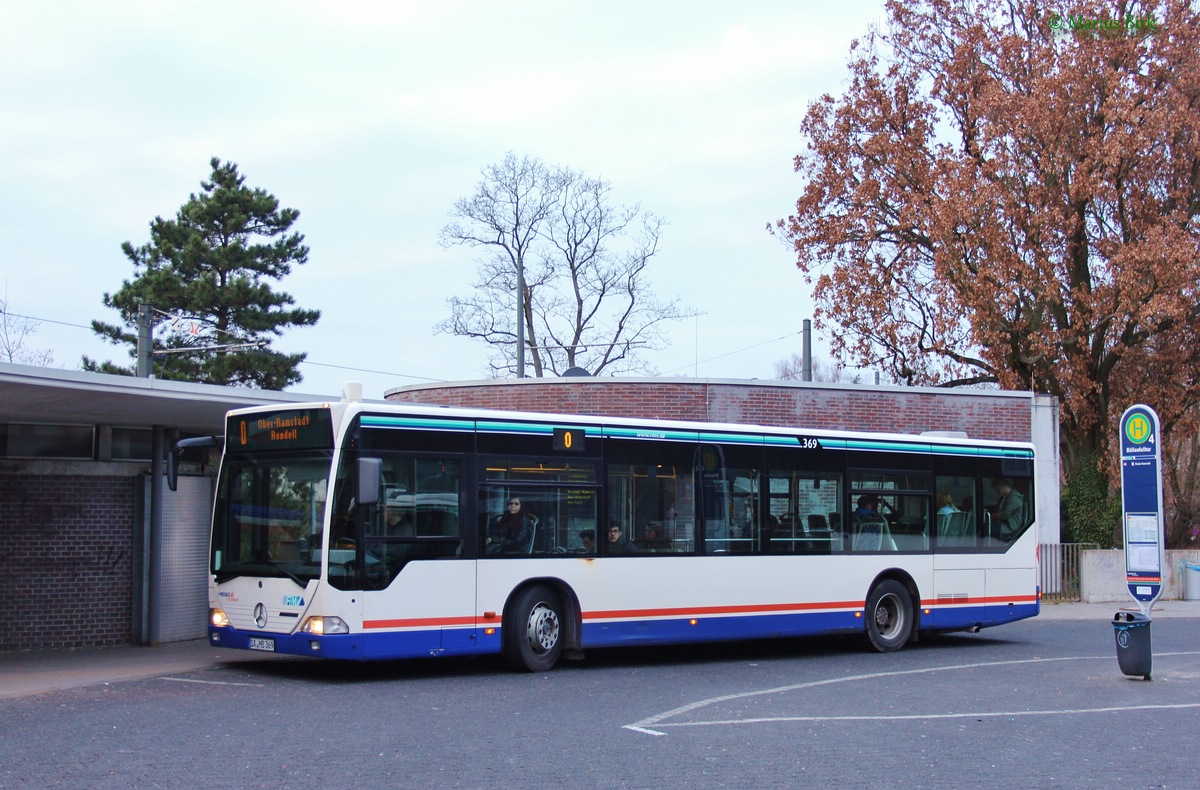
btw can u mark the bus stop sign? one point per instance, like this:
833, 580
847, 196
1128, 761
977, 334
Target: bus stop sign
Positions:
1141, 500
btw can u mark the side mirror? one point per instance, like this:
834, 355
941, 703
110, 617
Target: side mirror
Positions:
176, 451
370, 480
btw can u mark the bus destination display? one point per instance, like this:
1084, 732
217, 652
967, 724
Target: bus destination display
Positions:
294, 429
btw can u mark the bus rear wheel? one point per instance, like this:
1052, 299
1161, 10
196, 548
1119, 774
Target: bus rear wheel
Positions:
889, 616
533, 637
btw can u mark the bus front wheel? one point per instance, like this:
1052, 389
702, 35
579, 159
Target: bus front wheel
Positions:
533, 638
889, 616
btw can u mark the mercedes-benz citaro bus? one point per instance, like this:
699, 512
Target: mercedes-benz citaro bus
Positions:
363, 531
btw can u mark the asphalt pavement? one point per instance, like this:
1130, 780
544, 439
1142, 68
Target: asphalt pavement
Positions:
23, 673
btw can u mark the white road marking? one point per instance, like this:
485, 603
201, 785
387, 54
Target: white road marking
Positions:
660, 720
919, 716
212, 682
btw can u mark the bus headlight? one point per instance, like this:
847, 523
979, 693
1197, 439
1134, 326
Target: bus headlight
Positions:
324, 626
218, 618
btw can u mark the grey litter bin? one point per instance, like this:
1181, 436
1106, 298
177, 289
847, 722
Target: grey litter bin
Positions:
1191, 582
1132, 630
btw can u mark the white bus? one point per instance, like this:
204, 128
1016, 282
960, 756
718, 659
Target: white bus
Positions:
371, 531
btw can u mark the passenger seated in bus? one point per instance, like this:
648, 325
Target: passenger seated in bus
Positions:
871, 531
767, 535
396, 523
946, 504
968, 506
618, 543
652, 537
341, 532
1010, 508
868, 507
511, 532
588, 540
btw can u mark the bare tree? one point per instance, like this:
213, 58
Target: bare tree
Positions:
15, 331
584, 260
504, 215
822, 370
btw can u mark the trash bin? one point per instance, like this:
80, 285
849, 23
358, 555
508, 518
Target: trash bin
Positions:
1191, 582
1132, 630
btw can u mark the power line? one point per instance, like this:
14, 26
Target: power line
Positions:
732, 353
303, 362
45, 320
365, 370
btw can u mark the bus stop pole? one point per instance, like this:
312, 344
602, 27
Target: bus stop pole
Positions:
1142, 524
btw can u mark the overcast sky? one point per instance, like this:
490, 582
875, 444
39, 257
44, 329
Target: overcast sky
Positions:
372, 118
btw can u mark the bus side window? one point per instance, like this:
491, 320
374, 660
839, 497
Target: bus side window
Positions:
805, 504
652, 483
955, 515
1008, 500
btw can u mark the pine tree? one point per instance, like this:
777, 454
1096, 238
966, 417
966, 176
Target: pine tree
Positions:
210, 267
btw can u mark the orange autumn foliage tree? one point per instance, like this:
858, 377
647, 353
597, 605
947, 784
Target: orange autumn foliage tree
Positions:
1002, 195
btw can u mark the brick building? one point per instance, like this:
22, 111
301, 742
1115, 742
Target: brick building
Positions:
92, 552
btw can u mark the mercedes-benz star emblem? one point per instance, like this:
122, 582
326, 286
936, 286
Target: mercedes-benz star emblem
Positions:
260, 616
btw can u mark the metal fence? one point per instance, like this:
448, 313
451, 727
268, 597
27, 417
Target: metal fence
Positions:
1060, 570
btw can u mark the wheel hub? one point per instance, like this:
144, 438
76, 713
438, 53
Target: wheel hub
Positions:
543, 628
887, 616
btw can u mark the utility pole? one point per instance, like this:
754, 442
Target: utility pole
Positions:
520, 319
145, 341
806, 352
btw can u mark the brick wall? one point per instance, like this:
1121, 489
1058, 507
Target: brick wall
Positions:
67, 560
981, 414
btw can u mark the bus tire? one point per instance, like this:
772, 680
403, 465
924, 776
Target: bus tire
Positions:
889, 616
533, 638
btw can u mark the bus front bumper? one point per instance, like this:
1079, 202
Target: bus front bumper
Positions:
344, 646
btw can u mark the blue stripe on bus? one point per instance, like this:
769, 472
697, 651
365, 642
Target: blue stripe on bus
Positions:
716, 629
613, 432
417, 423
926, 449
532, 428
958, 617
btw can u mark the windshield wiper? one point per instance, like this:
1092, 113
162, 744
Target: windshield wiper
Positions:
223, 576
280, 566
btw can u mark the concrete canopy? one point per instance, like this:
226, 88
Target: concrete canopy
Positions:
35, 394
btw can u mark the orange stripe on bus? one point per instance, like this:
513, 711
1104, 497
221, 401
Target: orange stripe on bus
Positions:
419, 622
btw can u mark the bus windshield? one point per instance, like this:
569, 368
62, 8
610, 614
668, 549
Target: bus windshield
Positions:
269, 514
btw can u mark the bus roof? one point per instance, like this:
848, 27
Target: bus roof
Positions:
343, 409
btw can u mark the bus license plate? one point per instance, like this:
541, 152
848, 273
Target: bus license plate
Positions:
262, 644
